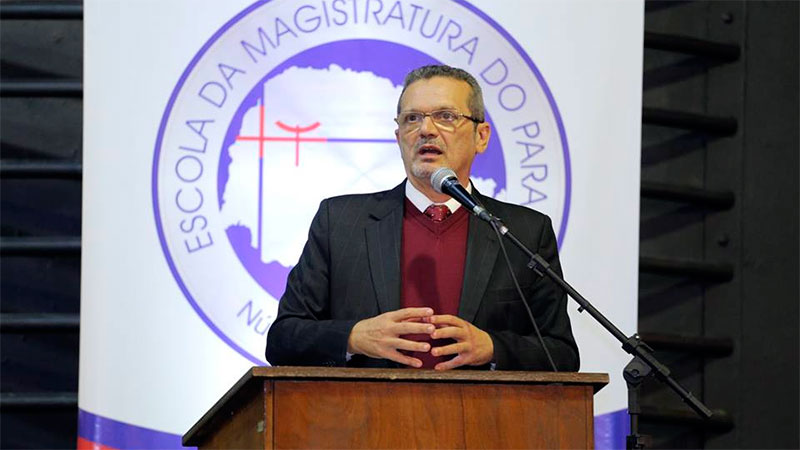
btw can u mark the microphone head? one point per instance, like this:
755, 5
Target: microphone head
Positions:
439, 177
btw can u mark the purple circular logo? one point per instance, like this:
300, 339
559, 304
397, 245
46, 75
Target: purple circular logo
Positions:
288, 104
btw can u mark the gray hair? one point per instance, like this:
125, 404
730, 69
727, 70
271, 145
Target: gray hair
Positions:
475, 100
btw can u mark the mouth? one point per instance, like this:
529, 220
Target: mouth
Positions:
429, 150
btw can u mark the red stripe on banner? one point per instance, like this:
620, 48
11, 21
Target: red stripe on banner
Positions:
261, 130
85, 444
282, 139
106, 433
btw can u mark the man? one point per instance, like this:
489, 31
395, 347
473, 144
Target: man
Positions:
407, 277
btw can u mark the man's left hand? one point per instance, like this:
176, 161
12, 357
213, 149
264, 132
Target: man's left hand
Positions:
473, 346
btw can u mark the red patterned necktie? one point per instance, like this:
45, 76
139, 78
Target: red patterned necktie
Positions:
437, 213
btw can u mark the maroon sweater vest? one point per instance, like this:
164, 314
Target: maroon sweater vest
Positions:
432, 261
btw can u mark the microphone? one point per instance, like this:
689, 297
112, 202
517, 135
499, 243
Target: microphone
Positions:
445, 181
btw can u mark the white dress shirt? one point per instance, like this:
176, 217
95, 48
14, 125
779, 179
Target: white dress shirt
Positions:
422, 202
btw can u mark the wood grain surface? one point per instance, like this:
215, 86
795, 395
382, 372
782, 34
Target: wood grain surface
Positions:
243, 426
394, 415
313, 407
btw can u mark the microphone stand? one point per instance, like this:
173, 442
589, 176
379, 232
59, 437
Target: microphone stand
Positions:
643, 363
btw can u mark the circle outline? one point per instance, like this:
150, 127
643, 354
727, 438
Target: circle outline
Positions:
201, 53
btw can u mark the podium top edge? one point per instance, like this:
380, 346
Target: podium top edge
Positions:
597, 380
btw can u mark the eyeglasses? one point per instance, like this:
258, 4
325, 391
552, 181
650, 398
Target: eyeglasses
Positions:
444, 119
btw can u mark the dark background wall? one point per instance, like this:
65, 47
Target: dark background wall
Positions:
719, 221
40, 227
730, 317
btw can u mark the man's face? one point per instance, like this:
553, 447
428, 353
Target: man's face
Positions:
428, 147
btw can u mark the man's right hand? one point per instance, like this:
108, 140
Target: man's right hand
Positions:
379, 336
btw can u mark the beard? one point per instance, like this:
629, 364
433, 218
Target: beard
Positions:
422, 170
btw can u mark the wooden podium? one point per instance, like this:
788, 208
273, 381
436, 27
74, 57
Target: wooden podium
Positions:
304, 407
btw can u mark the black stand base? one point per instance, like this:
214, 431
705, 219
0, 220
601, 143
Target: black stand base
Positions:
635, 373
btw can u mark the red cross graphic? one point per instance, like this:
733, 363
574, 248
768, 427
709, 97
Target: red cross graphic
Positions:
261, 138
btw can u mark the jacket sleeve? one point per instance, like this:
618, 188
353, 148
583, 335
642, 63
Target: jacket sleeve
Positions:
548, 303
303, 332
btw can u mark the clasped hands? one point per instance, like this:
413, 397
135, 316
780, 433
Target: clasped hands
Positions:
380, 337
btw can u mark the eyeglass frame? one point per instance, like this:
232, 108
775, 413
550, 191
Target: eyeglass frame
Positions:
458, 114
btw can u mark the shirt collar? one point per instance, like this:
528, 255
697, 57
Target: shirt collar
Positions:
422, 202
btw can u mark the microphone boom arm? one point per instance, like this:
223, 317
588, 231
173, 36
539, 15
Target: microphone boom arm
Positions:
444, 181
633, 345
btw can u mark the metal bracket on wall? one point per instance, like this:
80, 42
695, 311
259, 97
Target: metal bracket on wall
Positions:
41, 88
692, 46
694, 345
38, 246
37, 400
40, 169
706, 198
38, 322
41, 10
699, 270
720, 422
721, 126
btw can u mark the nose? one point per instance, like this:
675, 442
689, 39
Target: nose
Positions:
427, 127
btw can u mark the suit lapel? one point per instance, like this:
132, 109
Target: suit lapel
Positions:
482, 249
383, 248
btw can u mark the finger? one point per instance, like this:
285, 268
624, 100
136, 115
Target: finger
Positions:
415, 319
458, 361
413, 328
412, 346
452, 349
447, 319
450, 332
428, 320
403, 359
408, 313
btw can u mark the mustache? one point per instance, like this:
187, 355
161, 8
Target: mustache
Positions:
422, 142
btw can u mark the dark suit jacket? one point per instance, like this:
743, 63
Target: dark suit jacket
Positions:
350, 270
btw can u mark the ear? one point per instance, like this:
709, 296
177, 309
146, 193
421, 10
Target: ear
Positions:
397, 135
482, 134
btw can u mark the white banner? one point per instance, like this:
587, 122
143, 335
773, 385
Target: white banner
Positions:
199, 116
